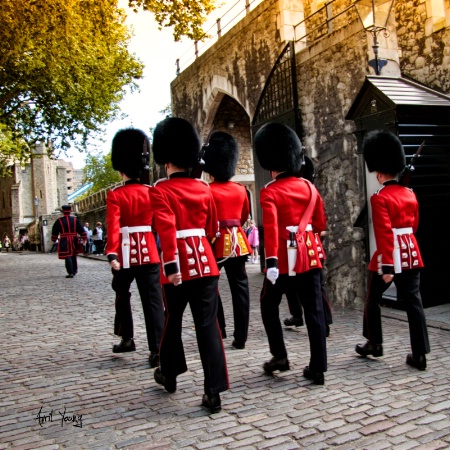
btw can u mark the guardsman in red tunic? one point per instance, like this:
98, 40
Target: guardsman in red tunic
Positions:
186, 222
132, 250
395, 217
293, 217
308, 172
231, 248
68, 228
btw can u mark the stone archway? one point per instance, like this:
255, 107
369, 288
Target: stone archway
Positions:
223, 112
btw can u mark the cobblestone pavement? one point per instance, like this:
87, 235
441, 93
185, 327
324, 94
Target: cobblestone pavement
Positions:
57, 364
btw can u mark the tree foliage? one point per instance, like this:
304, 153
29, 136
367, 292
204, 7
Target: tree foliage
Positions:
99, 170
185, 16
64, 68
10, 149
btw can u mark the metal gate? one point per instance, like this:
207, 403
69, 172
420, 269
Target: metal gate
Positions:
278, 103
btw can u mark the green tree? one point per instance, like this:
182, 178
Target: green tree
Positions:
185, 16
64, 68
10, 149
99, 170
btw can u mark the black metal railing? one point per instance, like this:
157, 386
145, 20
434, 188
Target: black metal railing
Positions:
221, 26
332, 16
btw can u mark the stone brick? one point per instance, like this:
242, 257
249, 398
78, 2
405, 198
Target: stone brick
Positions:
377, 427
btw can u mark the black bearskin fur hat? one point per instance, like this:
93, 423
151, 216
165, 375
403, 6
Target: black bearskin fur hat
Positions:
175, 140
278, 148
127, 148
383, 152
221, 156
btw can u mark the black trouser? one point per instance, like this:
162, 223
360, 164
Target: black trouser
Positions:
148, 283
295, 307
238, 282
98, 247
408, 285
71, 264
201, 294
308, 289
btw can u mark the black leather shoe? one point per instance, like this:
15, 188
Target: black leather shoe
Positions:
126, 345
69, 276
276, 364
294, 321
238, 345
316, 377
417, 361
212, 402
153, 359
170, 384
224, 333
369, 349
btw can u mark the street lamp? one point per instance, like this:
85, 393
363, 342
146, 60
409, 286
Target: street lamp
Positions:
36, 207
374, 16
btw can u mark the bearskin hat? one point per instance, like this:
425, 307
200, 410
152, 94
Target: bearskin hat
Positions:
383, 152
278, 148
221, 156
175, 140
308, 171
128, 145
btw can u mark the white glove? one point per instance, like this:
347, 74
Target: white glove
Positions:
272, 274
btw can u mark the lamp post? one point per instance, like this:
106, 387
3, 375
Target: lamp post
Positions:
374, 16
36, 207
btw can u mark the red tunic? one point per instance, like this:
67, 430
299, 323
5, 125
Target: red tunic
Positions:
395, 207
130, 206
68, 228
232, 211
283, 202
182, 204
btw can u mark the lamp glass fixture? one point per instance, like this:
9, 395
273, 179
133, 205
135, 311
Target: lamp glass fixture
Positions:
374, 14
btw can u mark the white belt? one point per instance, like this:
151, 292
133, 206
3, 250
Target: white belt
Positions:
126, 241
294, 228
396, 256
191, 232
400, 231
141, 229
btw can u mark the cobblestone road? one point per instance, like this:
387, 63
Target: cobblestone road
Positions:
56, 359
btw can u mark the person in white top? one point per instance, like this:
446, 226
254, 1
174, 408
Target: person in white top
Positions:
98, 239
87, 247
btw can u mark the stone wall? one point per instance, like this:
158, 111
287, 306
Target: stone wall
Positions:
231, 118
329, 73
424, 41
329, 77
238, 64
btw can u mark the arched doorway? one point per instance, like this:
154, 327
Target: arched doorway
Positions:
232, 118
